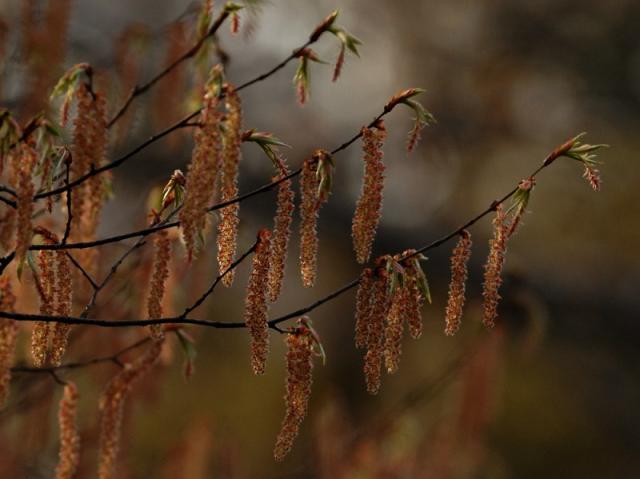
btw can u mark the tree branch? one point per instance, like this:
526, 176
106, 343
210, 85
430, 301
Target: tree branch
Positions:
141, 89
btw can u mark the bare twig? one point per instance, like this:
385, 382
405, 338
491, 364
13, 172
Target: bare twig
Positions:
141, 89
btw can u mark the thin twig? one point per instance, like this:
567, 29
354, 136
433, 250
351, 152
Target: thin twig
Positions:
208, 292
175, 126
141, 89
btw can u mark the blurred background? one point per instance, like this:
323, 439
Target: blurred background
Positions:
552, 392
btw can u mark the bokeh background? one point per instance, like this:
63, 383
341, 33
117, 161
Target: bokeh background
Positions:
552, 393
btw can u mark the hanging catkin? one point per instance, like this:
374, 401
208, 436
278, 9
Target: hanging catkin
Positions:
228, 227
368, 208
493, 268
315, 186
69, 455
363, 307
202, 173
281, 233
455, 303
63, 297
380, 304
298, 388
112, 407
8, 334
255, 315
161, 258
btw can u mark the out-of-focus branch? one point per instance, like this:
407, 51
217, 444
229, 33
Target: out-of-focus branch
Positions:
141, 89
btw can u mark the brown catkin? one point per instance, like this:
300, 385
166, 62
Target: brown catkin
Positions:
298, 389
229, 221
63, 298
161, 258
309, 206
455, 303
25, 190
375, 341
493, 268
40, 331
369, 206
69, 455
363, 307
415, 300
255, 314
97, 185
8, 334
202, 174
394, 329
112, 408
281, 235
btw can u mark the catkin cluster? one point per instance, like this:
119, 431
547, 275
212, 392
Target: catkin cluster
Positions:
281, 233
202, 173
388, 298
161, 258
300, 344
493, 267
369, 206
49, 340
8, 334
455, 303
69, 455
228, 227
255, 314
112, 408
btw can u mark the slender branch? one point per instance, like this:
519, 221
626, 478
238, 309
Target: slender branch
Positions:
141, 89
6, 261
81, 364
181, 123
7, 201
83, 271
208, 292
223, 204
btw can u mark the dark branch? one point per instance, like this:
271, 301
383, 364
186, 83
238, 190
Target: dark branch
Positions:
141, 89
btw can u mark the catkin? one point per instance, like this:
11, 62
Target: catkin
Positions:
309, 206
415, 300
375, 341
69, 455
281, 235
8, 334
63, 296
363, 307
161, 258
112, 408
228, 227
40, 331
369, 205
394, 329
493, 268
298, 388
592, 175
25, 190
455, 303
89, 151
202, 173
255, 314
